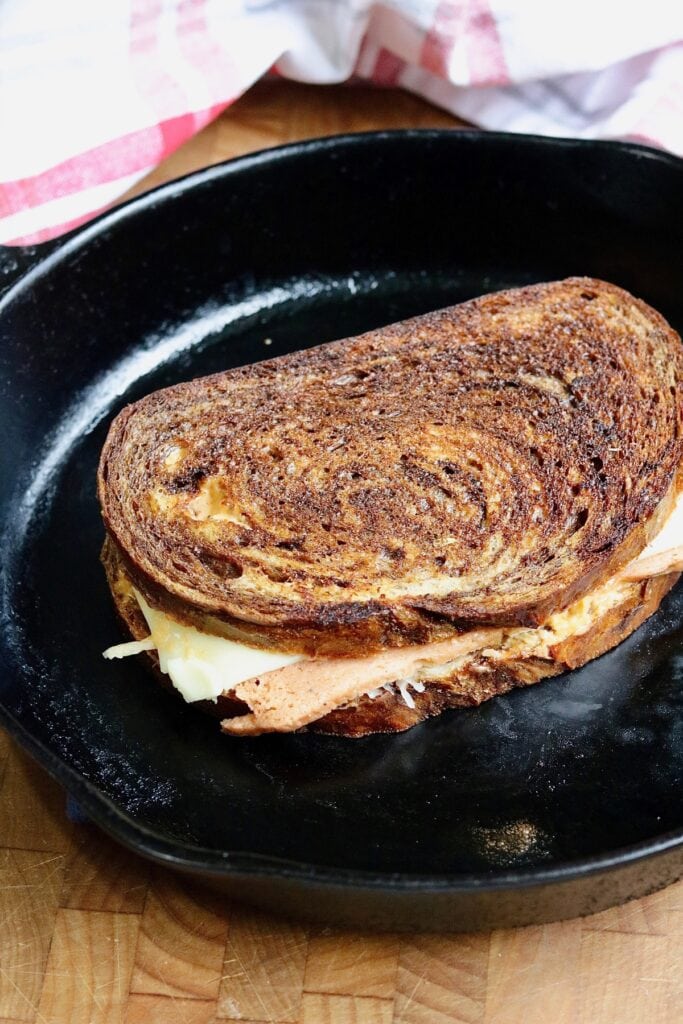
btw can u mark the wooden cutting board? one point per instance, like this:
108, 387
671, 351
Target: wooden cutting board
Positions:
91, 934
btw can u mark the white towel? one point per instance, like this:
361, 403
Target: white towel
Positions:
93, 95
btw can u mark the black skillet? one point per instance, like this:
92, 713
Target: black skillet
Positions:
548, 803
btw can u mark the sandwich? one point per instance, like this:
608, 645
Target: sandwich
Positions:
354, 537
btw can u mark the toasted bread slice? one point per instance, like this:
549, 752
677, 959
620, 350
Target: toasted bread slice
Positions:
486, 464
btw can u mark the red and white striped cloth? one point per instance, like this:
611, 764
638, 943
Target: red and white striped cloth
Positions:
93, 95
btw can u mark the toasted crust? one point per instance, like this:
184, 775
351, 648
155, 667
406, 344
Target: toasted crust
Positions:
486, 464
481, 681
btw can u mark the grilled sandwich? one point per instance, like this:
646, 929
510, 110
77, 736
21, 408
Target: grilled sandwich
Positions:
357, 536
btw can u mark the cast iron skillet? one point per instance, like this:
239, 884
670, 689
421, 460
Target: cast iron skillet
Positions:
552, 802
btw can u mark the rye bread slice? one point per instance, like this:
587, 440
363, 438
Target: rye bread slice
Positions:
481, 465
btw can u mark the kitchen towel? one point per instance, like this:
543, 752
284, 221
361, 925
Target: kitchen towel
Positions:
94, 95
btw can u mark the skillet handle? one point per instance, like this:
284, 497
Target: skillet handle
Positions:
17, 260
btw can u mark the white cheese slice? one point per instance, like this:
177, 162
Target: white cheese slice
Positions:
201, 666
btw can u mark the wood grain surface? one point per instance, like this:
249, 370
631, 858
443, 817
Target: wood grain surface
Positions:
90, 934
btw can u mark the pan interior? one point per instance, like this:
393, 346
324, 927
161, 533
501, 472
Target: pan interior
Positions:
576, 766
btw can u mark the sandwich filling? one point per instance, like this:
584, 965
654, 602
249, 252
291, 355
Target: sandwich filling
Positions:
286, 691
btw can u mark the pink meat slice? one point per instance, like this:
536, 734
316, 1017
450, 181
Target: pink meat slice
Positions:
288, 698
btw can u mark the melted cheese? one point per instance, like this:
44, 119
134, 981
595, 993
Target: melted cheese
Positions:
202, 666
